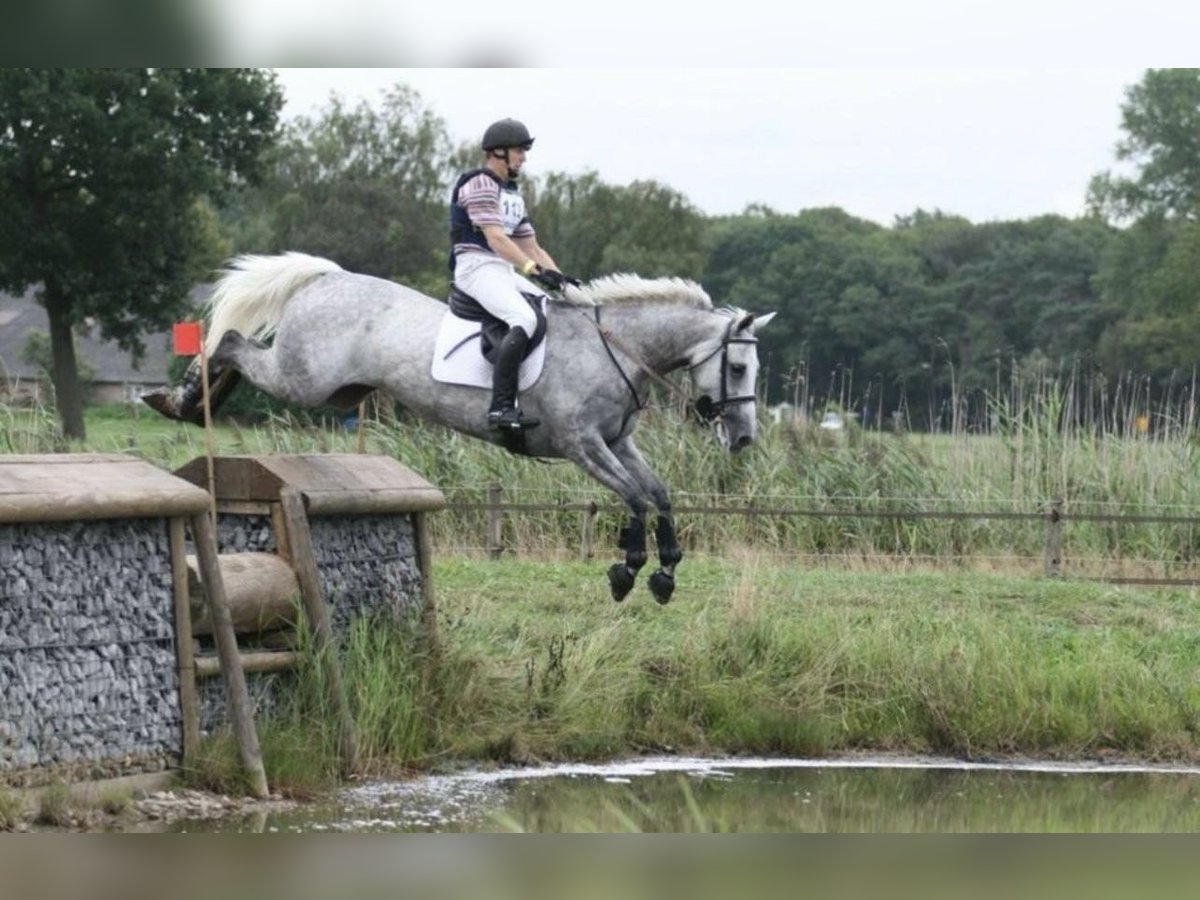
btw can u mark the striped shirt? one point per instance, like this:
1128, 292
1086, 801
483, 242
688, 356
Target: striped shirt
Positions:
487, 203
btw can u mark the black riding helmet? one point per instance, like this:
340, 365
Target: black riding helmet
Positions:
506, 133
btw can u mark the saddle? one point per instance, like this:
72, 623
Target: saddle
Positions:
491, 329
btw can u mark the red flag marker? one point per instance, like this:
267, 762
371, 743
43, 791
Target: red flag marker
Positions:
185, 338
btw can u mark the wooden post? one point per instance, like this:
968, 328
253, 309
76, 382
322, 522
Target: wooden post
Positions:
589, 529
1053, 564
425, 567
240, 708
185, 659
304, 562
208, 427
494, 522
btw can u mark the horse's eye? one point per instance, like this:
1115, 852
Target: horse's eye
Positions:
737, 370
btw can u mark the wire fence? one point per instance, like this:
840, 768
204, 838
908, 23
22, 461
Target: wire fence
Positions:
496, 514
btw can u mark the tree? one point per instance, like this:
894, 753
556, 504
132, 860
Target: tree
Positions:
367, 187
103, 180
1150, 281
1161, 121
593, 228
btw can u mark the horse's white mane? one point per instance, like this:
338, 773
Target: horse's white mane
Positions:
626, 288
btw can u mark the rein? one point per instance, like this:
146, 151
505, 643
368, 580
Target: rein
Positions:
607, 338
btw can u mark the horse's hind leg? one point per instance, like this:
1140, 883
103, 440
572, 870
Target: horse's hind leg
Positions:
184, 401
263, 366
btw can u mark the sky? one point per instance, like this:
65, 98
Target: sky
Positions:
988, 144
984, 109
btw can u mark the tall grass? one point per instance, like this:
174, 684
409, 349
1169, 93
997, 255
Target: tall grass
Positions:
386, 672
1036, 437
756, 657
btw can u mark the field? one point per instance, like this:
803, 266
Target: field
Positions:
911, 635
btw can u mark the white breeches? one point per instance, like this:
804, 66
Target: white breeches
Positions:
497, 287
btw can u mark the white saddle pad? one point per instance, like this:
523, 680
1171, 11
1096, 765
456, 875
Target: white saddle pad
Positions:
457, 360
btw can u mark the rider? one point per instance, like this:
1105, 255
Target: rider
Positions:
493, 250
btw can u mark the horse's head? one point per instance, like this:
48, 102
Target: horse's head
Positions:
724, 374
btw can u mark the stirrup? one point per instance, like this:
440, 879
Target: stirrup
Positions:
510, 419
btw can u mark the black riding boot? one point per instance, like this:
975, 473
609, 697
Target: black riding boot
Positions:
503, 413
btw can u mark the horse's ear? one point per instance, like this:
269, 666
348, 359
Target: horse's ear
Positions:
756, 321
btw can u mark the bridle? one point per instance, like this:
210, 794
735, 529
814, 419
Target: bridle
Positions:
706, 408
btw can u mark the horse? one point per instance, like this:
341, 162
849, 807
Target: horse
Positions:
335, 336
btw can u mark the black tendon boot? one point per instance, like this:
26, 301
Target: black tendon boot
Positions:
503, 414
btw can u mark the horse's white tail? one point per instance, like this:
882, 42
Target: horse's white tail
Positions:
250, 296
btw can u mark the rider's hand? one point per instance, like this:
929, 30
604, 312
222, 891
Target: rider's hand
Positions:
549, 278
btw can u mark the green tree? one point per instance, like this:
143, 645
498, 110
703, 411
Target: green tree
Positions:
1150, 281
366, 186
102, 178
593, 228
1161, 121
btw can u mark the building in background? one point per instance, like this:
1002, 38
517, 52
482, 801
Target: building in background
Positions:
108, 372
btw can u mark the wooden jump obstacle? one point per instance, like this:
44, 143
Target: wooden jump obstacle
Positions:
39, 497
288, 492
304, 505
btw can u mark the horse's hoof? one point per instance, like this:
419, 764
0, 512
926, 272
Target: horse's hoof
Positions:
620, 580
662, 586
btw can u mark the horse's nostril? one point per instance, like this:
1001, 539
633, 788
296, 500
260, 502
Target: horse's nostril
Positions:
742, 443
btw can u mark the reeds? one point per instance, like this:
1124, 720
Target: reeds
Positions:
1036, 437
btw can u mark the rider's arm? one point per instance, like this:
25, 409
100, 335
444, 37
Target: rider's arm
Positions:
532, 249
507, 248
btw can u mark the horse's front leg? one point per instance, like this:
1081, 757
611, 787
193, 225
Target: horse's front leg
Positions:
595, 458
662, 580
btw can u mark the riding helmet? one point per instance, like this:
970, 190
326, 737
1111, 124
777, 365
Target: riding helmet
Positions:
506, 133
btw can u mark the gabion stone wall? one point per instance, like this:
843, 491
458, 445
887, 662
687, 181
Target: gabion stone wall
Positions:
368, 564
368, 567
87, 647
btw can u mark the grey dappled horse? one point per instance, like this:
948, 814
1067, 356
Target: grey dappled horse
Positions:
338, 336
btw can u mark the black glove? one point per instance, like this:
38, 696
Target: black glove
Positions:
549, 278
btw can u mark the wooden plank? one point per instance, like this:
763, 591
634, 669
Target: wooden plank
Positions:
332, 483
56, 489
279, 527
266, 661
240, 708
373, 502
184, 658
305, 564
244, 507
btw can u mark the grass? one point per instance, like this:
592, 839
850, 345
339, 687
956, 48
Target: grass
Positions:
1029, 458
55, 806
535, 663
12, 810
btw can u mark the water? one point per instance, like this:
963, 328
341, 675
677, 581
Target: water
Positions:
912, 795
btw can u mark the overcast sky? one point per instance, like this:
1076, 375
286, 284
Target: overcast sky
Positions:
986, 109
984, 143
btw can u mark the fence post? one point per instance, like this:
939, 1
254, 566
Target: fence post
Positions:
1053, 565
494, 521
589, 529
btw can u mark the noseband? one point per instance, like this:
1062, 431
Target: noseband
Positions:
707, 408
